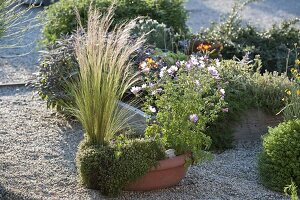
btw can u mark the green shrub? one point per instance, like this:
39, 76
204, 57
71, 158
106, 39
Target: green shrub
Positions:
274, 45
246, 88
61, 17
279, 162
109, 168
58, 66
183, 98
292, 107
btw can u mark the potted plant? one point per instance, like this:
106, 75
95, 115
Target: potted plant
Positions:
182, 100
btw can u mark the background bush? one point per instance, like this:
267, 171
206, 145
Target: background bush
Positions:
109, 168
158, 34
58, 66
61, 17
246, 88
274, 45
279, 161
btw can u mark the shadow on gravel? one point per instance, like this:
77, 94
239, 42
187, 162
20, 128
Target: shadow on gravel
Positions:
72, 134
9, 195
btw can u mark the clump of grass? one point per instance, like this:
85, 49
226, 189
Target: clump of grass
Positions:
291, 190
105, 74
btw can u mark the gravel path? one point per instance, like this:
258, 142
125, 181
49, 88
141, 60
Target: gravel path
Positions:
37, 152
262, 14
18, 64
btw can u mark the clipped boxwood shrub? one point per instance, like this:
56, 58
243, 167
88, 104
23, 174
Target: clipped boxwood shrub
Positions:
61, 17
109, 168
279, 162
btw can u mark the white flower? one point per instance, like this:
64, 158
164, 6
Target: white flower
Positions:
194, 118
143, 65
201, 64
172, 69
217, 62
194, 60
222, 91
152, 109
144, 86
135, 89
146, 70
162, 71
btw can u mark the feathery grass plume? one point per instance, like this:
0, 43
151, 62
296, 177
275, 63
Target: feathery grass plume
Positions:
105, 75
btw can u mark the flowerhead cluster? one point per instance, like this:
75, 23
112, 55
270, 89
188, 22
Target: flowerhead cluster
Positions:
205, 46
148, 64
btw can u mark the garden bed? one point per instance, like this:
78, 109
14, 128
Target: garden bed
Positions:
38, 151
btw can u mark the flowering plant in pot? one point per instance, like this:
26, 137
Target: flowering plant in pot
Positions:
182, 99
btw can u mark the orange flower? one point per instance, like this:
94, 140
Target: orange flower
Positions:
204, 46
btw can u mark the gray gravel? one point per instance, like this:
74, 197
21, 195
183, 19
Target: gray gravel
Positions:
37, 152
19, 64
263, 13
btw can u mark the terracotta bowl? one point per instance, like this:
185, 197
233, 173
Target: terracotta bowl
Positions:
167, 173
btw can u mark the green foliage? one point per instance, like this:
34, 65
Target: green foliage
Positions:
292, 189
279, 161
109, 168
61, 17
158, 34
246, 88
273, 45
58, 66
292, 107
104, 76
186, 97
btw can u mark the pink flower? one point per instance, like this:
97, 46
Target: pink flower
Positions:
135, 89
143, 65
213, 71
172, 70
225, 109
146, 70
194, 118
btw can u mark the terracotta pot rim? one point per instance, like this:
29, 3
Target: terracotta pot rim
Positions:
170, 163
